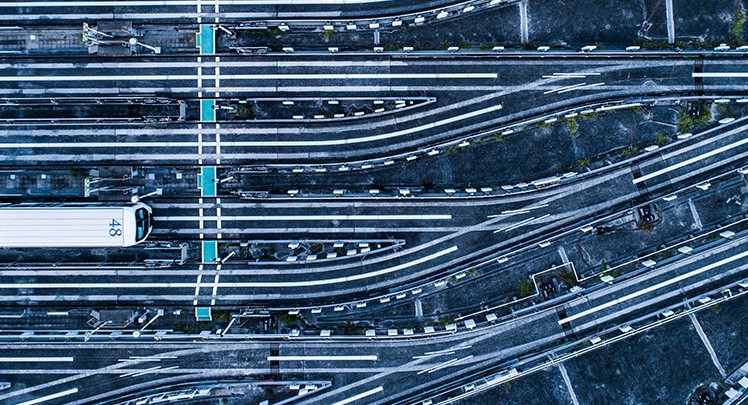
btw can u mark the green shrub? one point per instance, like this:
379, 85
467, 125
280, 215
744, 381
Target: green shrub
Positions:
737, 26
287, 318
526, 288
573, 127
661, 138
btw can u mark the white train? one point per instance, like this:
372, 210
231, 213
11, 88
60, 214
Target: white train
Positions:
74, 225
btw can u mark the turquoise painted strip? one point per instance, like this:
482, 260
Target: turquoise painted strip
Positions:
203, 314
207, 185
207, 112
206, 40
210, 251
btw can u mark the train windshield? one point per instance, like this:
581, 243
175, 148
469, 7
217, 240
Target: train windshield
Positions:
142, 224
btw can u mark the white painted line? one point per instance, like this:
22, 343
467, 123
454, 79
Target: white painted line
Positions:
670, 21
565, 88
50, 397
563, 77
690, 161
521, 223
215, 286
159, 369
450, 350
139, 360
652, 288
428, 356
139, 371
359, 396
199, 64
323, 358
707, 344
197, 284
524, 26
155, 3
333, 142
328, 76
578, 74
309, 218
567, 381
444, 365
582, 87
719, 74
36, 359
309, 283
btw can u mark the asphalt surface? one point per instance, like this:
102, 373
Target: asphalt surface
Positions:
335, 216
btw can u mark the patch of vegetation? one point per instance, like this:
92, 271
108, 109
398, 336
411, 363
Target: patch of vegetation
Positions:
350, 328
446, 321
567, 277
581, 163
393, 47
588, 116
738, 23
485, 47
630, 151
661, 138
704, 44
244, 112
499, 137
705, 115
287, 318
544, 125
725, 110
221, 317
606, 271
686, 122
637, 109
471, 272
645, 226
613, 273
573, 127
526, 288
327, 35
275, 32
